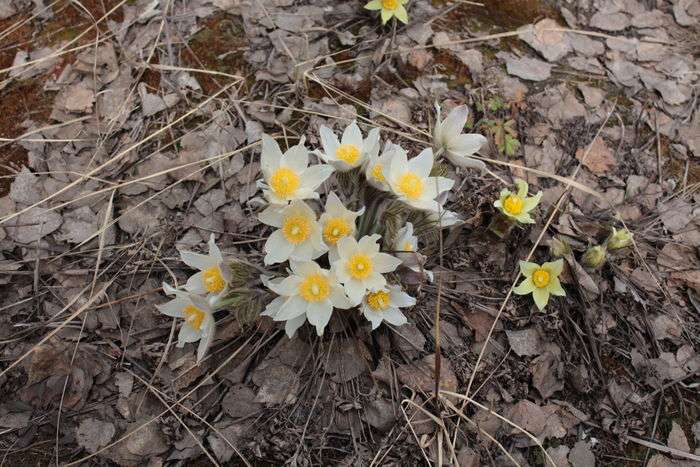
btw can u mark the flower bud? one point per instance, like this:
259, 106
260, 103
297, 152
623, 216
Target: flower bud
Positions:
594, 257
559, 248
619, 239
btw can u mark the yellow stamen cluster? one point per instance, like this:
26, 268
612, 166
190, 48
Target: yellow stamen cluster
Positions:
348, 153
335, 229
284, 182
411, 185
296, 229
390, 4
360, 266
513, 204
378, 301
315, 288
540, 278
194, 316
378, 172
213, 279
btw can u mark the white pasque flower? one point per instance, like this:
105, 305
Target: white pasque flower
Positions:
378, 165
443, 217
288, 176
410, 180
406, 249
458, 146
360, 265
337, 222
199, 322
213, 277
298, 234
383, 305
352, 150
309, 292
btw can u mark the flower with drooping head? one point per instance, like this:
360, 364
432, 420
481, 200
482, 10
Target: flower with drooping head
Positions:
619, 239
377, 166
309, 292
360, 266
457, 146
411, 182
214, 275
541, 281
383, 305
389, 9
298, 234
337, 222
288, 176
199, 322
406, 249
352, 150
518, 205
443, 218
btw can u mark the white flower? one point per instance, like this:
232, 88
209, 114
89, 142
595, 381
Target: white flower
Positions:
351, 151
287, 176
360, 266
443, 217
458, 147
298, 235
213, 277
378, 165
199, 322
410, 180
309, 292
337, 222
383, 305
406, 249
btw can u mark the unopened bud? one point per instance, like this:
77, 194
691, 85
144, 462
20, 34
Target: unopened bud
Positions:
619, 239
559, 248
594, 257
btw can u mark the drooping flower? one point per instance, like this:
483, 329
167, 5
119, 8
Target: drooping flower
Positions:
298, 234
457, 146
309, 292
360, 266
352, 150
383, 305
619, 239
287, 176
443, 217
214, 275
390, 9
199, 322
518, 205
337, 222
378, 165
406, 249
411, 182
541, 281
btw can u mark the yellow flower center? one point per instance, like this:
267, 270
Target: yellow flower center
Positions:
193, 316
378, 172
284, 182
378, 301
315, 288
407, 246
335, 229
390, 4
513, 205
348, 153
411, 186
360, 266
540, 278
213, 279
296, 229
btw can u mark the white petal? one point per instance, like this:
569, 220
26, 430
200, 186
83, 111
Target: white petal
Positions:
273, 307
318, 314
394, 316
355, 290
286, 287
422, 164
277, 248
303, 252
466, 144
371, 144
339, 299
329, 142
188, 334
368, 244
304, 268
208, 331
352, 135
296, 158
375, 282
214, 250
291, 326
436, 185
195, 284
293, 307
347, 246
384, 262
313, 176
173, 307
272, 215
197, 260
400, 299
373, 317
397, 165
271, 153
454, 123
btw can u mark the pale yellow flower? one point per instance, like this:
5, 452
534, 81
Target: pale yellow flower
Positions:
518, 205
390, 9
541, 281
